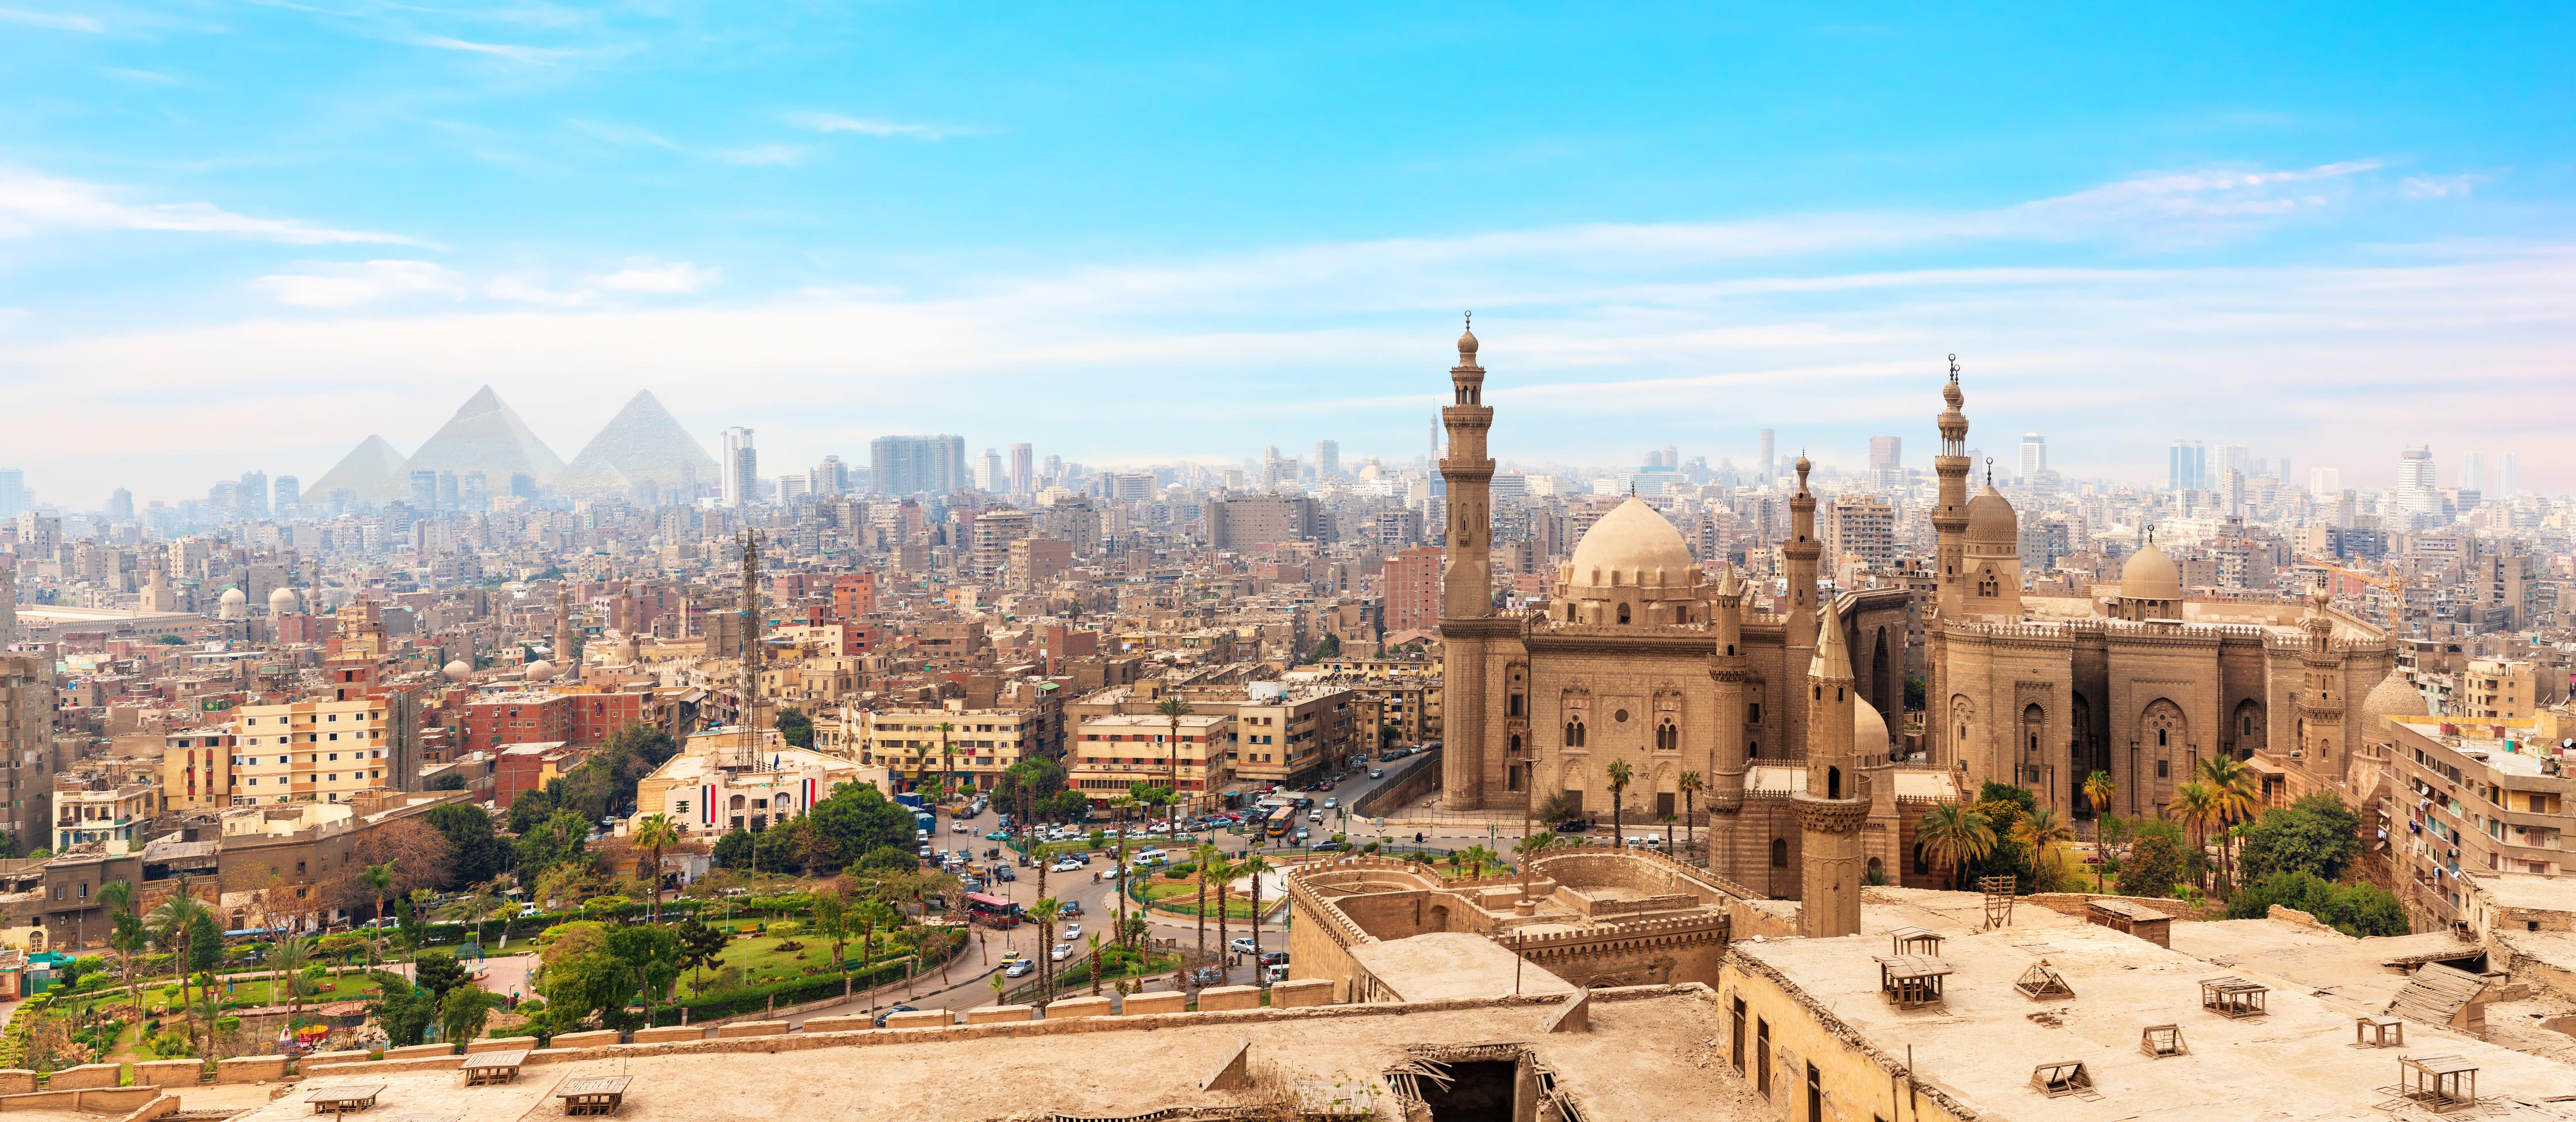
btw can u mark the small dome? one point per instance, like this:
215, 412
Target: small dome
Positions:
1869, 729
539, 671
2150, 575
457, 671
1991, 520
1466, 347
234, 597
2394, 696
1636, 541
281, 602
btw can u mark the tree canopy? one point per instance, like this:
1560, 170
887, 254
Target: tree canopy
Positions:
558, 840
795, 727
2317, 835
474, 853
2354, 909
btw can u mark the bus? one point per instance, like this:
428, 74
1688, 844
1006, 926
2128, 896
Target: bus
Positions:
993, 911
1282, 819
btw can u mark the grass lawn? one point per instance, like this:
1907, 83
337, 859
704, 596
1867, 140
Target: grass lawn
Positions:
1183, 897
165, 993
762, 962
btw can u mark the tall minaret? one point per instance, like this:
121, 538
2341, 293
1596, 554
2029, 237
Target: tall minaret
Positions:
1835, 803
1800, 553
567, 667
1727, 668
1950, 515
1466, 584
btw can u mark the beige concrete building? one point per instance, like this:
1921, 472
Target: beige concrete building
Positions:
197, 768
96, 809
310, 751
2497, 689
1109, 752
721, 782
2469, 803
981, 743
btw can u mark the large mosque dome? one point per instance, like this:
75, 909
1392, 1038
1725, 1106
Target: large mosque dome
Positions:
1991, 520
1632, 545
2150, 575
281, 602
2394, 696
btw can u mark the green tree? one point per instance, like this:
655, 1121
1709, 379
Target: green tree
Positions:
654, 834
1954, 837
701, 945
1172, 708
795, 727
734, 850
437, 972
474, 853
2099, 790
1620, 775
126, 934
530, 810
2359, 910
2043, 835
2197, 805
2314, 835
561, 839
402, 1009
1251, 868
832, 921
2152, 867
1691, 785
857, 819
463, 1012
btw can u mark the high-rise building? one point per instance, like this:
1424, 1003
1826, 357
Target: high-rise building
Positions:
474, 492
2226, 458
1886, 453
1024, 476
13, 492
424, 490
741, 468
1328, 459
988, 472
2325, 483
917, 465
289, 492
831, 477
2034, 456
2505, 481
2417, 492
252, 493
120, 505
2473, 472
2187, 466
1766, 456
1412, 589
447, 490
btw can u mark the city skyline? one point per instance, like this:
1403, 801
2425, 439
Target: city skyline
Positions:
1176, 254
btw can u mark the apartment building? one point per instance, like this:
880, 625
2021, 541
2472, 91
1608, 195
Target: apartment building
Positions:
525, 717
196, 768
2497, 689
1111, 751
2474, 802
27, 741
981, 743
311, 751
96, 808
1860, 532
1291, 733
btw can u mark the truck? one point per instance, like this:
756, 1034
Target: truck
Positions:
913, 799
924, 822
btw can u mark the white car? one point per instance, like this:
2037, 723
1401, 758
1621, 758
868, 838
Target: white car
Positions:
960, 828
1061, 952
1071, 932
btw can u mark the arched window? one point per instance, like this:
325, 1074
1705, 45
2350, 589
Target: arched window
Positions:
2160, 738
1623, 613
1574, 733
1833, 783
1779, 853
1668, 736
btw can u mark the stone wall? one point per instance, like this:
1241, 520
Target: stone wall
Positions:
2073, 904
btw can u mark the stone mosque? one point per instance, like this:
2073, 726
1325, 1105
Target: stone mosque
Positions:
1771, 727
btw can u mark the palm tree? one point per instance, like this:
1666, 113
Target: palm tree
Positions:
2196, 804
653, 835
1252, 866
1690, 785
2042, 832
2233, 785
171, 925
1092, 942
1620, 773
381, 879
1047, 907
1224, 875
1173, 709
291, 982
947, 761
1954, 836
1118, 808
2099, 791
117, 896
1205, 856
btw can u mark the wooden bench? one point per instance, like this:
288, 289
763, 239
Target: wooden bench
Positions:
484, 1068
349, 1098
592, 1094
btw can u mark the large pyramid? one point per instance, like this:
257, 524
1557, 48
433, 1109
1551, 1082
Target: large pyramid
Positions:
486, 436
642, 443
373, 469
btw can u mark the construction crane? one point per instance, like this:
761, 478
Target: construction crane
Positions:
2391, 581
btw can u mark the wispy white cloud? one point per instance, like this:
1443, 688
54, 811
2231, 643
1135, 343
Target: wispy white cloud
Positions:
764, 155
627, 136
515, 52
34, 204
58, 21
869, 126
2437, 186
350, 286
148, 77
672, 278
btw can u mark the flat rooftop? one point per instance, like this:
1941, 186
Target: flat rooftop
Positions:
2296, 1062
1445, 965
1649, 1052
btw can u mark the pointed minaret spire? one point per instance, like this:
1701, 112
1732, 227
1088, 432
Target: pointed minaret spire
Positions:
1832, 662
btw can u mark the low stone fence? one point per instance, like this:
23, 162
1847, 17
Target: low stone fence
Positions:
2073, 904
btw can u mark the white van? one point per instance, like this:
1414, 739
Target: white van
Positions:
1152, 857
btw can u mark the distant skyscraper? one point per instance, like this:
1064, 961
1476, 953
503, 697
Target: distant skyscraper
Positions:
2034, 456
2473, 472
13, 492
2229, 457
524, 485
120, 505
990, 477
1328, 459
2325, 483
424, 490
1766, 455
447, 490
1886, 452
475, 494
917, 465
2418, 490
741, 467
831, 477
2187, 466
2505, 481
289, 492
1024, 473
252, 493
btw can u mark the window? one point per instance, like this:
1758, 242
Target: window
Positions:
1623, 613
2160, 738
1753, 713
2160, 769
1779, 853
1762, 1056
1815, 1096
1737, 1036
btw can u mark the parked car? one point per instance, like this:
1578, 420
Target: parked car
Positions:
997, 836
1274, 958
1020, 969
1207, 976
1314, 816
1303, 834
960, 828
1332, 801
1004, 873
1273, 974
1377, 773
1243, 944
881, 1017
1025, 863
1060, 952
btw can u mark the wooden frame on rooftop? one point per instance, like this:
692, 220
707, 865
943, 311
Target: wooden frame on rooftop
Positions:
2040, 982
2379, 1032
2234, 997
1911, 981
2066, 1078
2441, 1084
1914, 941
2160, 1041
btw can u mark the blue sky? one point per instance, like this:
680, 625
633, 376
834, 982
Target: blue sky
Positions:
247, 235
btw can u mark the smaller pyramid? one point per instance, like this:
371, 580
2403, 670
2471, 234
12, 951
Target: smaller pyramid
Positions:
373, 470
486, 435
642, 443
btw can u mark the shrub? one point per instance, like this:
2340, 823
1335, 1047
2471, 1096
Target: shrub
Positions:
2154, 865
